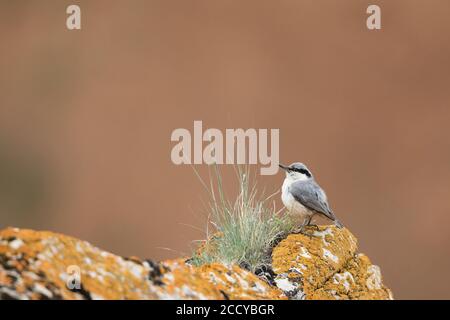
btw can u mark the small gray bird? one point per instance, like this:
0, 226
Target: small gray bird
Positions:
303, 197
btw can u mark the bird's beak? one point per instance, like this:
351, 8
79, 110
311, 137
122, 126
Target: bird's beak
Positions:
283, 167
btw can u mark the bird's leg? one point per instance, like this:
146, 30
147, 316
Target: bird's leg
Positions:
306, 222
315, 226
302, 226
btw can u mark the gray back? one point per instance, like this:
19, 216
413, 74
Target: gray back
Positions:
311, 195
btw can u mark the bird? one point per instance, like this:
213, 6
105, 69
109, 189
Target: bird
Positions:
303, 197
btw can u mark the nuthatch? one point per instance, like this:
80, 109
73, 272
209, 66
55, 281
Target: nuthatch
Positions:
303, 197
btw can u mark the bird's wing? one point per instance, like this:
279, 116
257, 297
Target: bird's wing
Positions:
312, 196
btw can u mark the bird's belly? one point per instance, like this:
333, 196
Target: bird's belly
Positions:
294, 207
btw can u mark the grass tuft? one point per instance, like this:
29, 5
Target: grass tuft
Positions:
244, 230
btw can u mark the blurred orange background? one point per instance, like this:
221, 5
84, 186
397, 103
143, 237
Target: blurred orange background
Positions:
86, 118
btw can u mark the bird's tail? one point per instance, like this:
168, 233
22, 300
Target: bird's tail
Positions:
338, 224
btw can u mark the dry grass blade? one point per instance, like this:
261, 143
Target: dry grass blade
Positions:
246, 227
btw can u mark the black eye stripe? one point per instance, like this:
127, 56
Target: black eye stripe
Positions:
304, 171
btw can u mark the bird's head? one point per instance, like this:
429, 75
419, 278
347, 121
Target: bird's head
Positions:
297, 171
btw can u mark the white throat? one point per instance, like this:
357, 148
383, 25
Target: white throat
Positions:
291, 204
296, 176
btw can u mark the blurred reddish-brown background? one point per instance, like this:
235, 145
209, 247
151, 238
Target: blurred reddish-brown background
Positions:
86, 118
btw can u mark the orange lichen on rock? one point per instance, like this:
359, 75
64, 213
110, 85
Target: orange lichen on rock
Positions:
359, 280
214, 281
323, 264
39, 265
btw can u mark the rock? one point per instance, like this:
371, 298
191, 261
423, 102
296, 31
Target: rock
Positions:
38, 265
325, 265
214, 281
43, 265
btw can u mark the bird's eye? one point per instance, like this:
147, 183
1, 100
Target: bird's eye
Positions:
305, 172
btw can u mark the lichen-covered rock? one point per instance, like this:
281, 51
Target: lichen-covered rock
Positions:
45, 265
323, 264
41, 265
213, 281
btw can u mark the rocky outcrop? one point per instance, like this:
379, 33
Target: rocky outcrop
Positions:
46, 265
324, 265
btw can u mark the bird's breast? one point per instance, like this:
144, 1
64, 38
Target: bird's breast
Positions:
294, 207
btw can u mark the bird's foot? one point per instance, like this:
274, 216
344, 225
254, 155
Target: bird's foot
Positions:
302, 231
309, 234
315, 226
